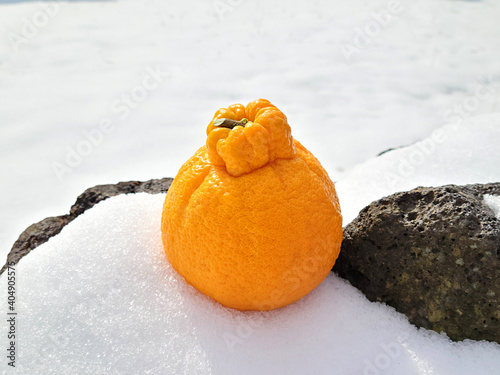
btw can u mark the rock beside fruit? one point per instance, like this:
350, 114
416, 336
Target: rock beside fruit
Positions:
434, 255
41, 232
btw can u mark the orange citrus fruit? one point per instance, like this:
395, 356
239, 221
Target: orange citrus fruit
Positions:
252, 218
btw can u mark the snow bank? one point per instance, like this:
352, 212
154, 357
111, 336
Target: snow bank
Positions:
493, 201
101, 298
462, 153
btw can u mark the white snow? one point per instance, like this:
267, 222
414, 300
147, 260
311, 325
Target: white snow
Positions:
493, 201
464, 153
429, 58
101, 298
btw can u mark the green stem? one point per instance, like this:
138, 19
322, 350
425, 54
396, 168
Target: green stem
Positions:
228, 123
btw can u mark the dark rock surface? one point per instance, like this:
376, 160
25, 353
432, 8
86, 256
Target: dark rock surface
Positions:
434, 255
38, 233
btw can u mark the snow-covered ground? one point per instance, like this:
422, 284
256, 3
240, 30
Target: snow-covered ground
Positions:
101, 297
354, 78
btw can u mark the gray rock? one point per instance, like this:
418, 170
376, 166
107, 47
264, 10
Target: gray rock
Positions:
434, 255
41, 232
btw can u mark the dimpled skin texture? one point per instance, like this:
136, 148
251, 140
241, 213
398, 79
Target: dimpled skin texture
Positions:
252, 219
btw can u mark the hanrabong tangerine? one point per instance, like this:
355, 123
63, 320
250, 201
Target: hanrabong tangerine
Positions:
252, 218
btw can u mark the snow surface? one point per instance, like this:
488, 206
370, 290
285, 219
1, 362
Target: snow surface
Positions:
460, 154
493, 201
431, 56
101, 298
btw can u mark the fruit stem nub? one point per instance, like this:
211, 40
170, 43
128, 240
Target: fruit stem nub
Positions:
228, 123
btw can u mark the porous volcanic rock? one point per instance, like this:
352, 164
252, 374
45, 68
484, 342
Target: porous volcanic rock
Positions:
434, 255
38, 233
